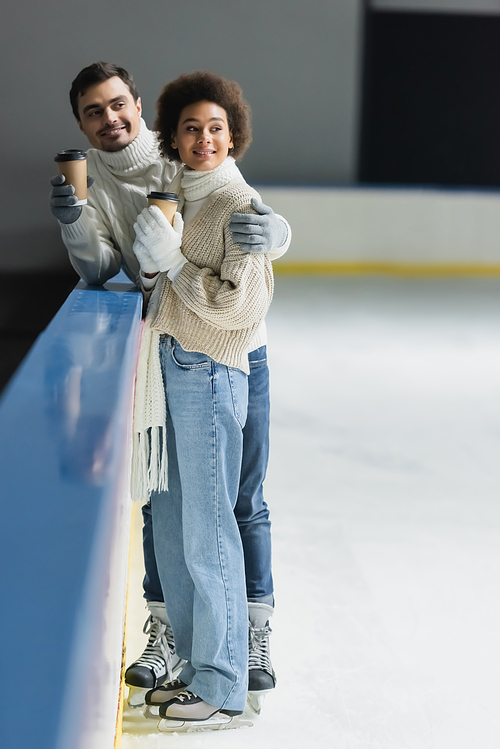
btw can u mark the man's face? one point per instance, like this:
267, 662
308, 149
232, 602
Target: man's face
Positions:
109, 116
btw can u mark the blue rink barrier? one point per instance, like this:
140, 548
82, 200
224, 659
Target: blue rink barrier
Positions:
65, 444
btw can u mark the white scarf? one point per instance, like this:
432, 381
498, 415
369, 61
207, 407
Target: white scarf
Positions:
190, 184
149, 447
149, 458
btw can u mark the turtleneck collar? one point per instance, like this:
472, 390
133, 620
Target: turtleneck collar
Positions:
139, 154
194, 185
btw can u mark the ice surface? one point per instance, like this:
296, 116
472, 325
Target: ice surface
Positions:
384, 491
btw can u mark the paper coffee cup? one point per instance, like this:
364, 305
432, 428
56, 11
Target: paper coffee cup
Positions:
167, 203
73, 164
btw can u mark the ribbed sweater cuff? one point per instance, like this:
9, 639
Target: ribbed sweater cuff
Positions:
280, 251
176, 269
148, 283
78, 229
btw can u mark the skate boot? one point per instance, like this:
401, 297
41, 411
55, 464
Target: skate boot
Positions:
156, 697
187, 713
158, 662
261, 676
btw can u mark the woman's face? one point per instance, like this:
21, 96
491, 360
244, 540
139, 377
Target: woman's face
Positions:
203, 138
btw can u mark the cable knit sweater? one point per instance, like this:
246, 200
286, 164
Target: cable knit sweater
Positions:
100, 242
221, 295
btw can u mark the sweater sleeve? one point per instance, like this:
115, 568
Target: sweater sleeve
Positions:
90, 247
237, 298
280, 251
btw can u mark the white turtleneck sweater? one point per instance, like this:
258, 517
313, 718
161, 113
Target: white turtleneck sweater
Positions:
100, 242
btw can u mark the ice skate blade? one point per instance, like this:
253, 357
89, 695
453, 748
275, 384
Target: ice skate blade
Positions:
152, 711
255, 700
136, 697
218, 722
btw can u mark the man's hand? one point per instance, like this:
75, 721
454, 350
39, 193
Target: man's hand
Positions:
260, 232
161, 240
63, 199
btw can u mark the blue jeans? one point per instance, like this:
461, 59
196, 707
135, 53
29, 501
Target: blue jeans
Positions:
251, 510
198, 549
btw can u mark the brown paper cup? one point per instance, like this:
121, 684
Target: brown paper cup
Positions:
73, 164
167, 203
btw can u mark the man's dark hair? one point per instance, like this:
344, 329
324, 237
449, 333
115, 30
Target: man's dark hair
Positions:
202, 86
97, 73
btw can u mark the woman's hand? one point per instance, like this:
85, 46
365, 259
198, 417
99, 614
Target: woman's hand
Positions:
159, 239
148, 265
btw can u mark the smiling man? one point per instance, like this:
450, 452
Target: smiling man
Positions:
125, 165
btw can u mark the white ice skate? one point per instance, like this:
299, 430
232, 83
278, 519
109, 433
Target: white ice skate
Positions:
158, 663
261, 676
188, 713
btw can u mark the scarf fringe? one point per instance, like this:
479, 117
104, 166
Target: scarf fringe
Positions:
149, 464
149, 455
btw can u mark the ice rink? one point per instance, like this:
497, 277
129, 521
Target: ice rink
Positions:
384, 491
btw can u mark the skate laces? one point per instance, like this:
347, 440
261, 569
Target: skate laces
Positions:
152, 624
169, 636
158, 635
186, 695
259, 656
175, 684
158, 652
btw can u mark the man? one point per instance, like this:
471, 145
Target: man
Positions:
124, 165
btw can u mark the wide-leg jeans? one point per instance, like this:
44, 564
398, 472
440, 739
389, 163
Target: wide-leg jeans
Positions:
198, 548
252, 514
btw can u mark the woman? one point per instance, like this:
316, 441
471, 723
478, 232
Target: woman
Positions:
205, 316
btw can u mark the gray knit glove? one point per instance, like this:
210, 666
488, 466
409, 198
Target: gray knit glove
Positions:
63, 199
260, 232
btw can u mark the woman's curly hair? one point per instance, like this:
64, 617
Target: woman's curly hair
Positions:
202, 86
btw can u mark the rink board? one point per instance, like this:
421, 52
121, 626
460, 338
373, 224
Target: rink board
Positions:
64, 462
396, 230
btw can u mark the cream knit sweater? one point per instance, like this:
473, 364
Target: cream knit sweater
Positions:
221, 295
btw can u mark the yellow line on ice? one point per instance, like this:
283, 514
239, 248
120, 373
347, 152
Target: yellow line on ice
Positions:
416, 270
